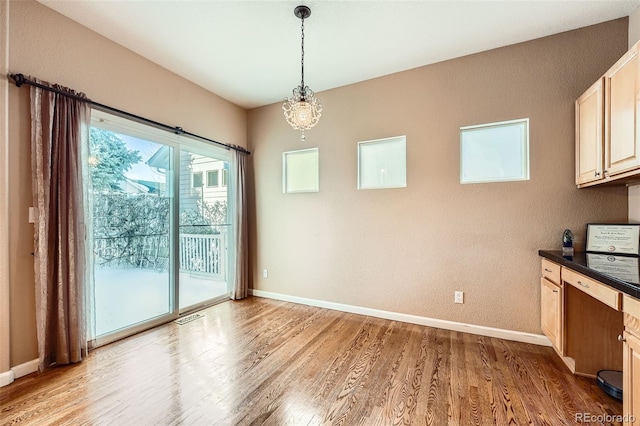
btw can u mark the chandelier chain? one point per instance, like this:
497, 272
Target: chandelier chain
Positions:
302, 61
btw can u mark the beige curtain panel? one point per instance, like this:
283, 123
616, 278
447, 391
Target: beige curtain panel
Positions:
240, 288
59, 127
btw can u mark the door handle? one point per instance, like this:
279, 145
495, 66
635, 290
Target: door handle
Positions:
583, 285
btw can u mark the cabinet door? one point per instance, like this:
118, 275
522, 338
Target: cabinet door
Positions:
589, 119
551, 312
622, 145
631, 379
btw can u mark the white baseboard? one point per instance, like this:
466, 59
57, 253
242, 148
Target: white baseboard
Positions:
25, 368
6, 378
18, 371
518, 336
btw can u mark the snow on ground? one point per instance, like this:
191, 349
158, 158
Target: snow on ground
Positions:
126, 296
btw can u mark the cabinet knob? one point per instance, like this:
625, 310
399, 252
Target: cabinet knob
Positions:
621, 338
548, 270
596, 173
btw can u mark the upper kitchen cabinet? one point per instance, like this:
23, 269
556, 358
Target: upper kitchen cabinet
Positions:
589, 123
607, 130
621, 112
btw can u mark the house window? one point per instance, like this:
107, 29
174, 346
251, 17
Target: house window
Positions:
196, 180
212, 178
382, 163
495, 152
225, 177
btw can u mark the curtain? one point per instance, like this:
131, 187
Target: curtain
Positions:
59, 128
240, 288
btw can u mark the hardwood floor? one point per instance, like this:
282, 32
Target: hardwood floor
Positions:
261, 361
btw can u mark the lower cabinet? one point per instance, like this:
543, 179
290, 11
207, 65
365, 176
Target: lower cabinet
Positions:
631, 361
582, 318
551, 312
631, 379
593, 327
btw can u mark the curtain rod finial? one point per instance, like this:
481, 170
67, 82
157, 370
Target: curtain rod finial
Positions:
18, 78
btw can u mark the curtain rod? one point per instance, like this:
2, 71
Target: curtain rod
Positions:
20, 79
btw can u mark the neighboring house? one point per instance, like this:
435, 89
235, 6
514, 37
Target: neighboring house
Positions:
202, 178
132, 187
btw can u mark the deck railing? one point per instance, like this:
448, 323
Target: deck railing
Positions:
202, 254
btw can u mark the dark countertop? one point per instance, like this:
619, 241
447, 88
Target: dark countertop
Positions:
619, 272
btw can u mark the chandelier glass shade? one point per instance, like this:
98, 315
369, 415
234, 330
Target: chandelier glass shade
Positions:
302, 110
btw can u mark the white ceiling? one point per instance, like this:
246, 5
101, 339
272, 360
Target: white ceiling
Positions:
249, 51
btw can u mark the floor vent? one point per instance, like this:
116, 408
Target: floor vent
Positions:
188, 318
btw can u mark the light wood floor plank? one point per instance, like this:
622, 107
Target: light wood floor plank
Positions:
267, 362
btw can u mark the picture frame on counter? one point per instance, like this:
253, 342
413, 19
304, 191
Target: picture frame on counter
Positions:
621, 238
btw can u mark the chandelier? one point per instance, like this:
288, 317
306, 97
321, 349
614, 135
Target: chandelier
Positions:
303, 109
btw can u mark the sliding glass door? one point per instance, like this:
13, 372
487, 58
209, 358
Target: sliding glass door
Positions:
132, 227
204, 226
159, 225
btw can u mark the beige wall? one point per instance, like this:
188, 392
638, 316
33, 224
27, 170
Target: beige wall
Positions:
49, 46
407, 250
634, 203
634, 190
634, 27
4, 198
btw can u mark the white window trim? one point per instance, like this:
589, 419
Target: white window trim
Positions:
379, 141
525, 145
284, 170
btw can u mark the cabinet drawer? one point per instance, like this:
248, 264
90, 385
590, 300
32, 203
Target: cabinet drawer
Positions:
551, 271
631, 306
631, 324
603, 293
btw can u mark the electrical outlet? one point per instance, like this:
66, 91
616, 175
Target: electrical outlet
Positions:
458, 297
265, 273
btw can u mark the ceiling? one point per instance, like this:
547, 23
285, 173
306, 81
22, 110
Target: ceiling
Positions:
248, 52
